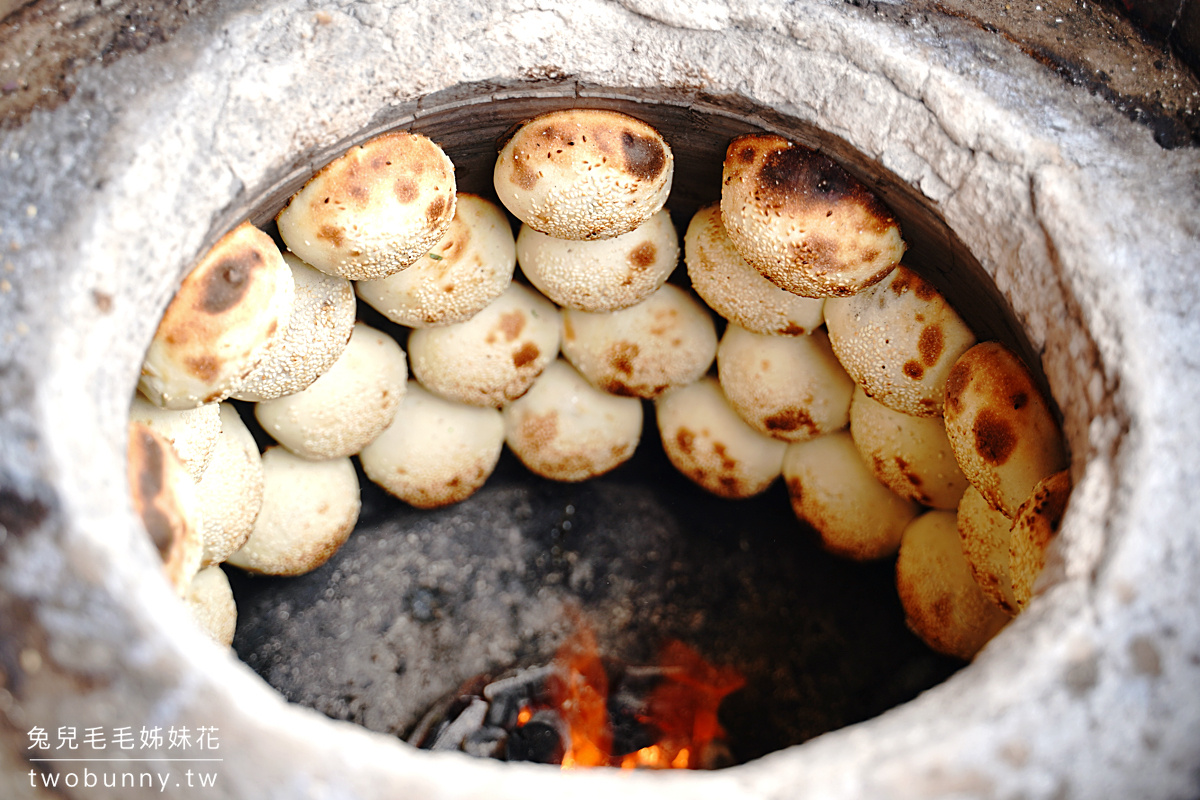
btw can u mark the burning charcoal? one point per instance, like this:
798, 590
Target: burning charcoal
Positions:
629, 733
466, 723
544, 739
509, 695
585, 710
444, 713
627, 701
643, 679
486, 742
431, 725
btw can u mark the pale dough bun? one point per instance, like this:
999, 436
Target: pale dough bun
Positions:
803, 221
436, 452
468, 268
789, 387
666, 341
492, 358
1004, 435
317, 333
898, 340
565, 429
986, 536
209, 598
374, 210
230, 310
191, 432
738, 291
909, 455
584, 173
942, 603
231, 490
1035, 527
309, 510
600, 274
833, 491
347, 407
707, 441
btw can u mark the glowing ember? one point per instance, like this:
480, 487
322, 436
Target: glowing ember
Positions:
585, 711
681, 709
580, 693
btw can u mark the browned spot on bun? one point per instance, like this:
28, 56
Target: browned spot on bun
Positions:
359, 191
333, 234
746, 155
995, 439
956, 383
619, 388
527, 354
909, 281
622, 356
942, 612
522, 174
406, 190
664, 321
227, 283
903, 466
539, 430
793, 330
729, 486
798, 176
436, 209
1035, 525
930, 344
511, 324
819, 254
204, 367
543, 144
789, 420
802, 180
685, 439
913, 369
728, 462
644, 157
151, 480
643, 255
551, 134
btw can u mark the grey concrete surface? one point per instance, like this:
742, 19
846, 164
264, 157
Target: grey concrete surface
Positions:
1088, 227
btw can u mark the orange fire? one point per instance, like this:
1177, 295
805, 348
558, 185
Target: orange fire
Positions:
580, 695
683, 706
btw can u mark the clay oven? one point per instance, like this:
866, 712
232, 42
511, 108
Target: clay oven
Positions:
1025, 193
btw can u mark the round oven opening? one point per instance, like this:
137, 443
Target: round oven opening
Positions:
1047, 187
419, 605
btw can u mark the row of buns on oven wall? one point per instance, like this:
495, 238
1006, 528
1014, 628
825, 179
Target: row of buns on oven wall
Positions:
839, 369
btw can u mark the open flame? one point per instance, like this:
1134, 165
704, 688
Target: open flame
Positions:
681, 709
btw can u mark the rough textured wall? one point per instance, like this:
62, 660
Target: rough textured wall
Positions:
1087, 225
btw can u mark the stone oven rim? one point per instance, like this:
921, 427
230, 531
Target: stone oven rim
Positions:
58, 521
